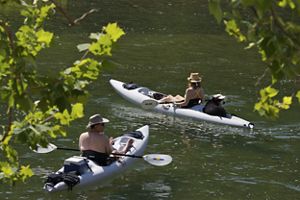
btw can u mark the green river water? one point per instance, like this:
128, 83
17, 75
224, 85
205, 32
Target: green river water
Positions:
166, 40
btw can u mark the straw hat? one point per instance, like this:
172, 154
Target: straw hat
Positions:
194, 78
96, 119
218, 96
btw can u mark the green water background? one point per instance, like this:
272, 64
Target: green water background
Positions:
164, 42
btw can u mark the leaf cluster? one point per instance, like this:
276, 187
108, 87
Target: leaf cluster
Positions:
272, 27
39, 107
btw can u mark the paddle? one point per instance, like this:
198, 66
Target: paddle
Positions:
153, 159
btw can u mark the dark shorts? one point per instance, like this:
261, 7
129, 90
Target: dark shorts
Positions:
99, 158
192, 103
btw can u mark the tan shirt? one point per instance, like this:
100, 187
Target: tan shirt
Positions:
96, 141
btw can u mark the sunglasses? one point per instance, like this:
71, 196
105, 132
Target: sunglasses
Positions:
100, 124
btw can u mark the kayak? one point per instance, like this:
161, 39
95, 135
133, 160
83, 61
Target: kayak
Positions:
79, 172
148, 99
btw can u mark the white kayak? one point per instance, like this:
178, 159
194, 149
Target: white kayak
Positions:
89, 173
146, 98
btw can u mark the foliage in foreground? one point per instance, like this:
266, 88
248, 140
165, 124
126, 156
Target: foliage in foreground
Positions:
272, 27
37, 106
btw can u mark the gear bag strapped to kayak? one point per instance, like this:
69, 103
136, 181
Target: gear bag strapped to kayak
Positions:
70, 178
73, 167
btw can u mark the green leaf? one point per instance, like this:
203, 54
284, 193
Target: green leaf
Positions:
271, 92
63, 117
233, 29
6, 169
215, 10
44, 37
102, 46
284, 3
114, 31
25, 172
286, 102
43, 13
263, 54
258, 106
298, 96
77, 111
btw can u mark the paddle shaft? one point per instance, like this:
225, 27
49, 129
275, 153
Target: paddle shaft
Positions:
116, 154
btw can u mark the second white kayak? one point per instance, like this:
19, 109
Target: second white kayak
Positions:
146, 98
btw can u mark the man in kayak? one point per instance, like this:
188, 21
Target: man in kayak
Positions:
194, 94
214, 107
95, 145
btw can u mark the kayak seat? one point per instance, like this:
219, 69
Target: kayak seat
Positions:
158, 96
198, 108
144, 91
101, 159
150, 93
135, 134
77, 164
130, 86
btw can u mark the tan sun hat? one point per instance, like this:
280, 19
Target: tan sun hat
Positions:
96, 119
194, 78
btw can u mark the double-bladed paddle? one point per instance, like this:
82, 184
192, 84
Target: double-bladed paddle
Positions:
153, 159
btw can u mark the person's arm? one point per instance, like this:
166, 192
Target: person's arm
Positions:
80, 142
202, 94
109, 148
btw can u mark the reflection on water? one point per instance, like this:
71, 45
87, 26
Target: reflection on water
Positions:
255, 181
158, 189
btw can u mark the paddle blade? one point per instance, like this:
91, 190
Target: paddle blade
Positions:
49, 148
158, 159
149, 104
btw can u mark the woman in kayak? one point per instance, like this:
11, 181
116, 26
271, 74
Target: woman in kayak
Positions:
194, 94
95, 145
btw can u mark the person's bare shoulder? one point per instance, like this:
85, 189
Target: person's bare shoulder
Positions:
83, 134
189, 90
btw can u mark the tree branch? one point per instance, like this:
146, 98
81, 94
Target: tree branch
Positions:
76, 21
261, 77
9, 34
71, 22
281, 25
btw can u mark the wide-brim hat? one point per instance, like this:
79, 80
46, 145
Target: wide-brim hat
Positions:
219, 96
96, 119
194, 78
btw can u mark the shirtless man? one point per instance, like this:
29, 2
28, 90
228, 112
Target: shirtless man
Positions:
94, 144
